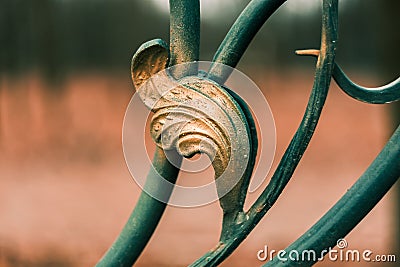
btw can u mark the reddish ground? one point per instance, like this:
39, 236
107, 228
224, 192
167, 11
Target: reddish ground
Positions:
65, 191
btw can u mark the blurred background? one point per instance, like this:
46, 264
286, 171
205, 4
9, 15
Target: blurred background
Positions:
65, 192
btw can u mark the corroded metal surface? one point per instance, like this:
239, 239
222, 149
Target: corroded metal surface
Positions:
196, 115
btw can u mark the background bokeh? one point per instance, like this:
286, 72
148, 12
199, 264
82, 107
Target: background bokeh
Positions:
65, 191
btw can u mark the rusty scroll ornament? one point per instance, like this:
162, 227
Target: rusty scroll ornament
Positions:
197, 115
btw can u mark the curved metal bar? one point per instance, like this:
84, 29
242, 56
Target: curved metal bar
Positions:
298, 145
184, 47
144, 218
303, 135
376, 95
230, 227
358, 201
240, 36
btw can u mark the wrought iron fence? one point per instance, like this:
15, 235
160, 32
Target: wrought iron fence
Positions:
154, 56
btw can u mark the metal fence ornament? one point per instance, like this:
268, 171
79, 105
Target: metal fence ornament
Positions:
196, 115
194, 112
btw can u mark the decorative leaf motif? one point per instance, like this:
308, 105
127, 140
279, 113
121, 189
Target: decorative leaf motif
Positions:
196, 115
151, 57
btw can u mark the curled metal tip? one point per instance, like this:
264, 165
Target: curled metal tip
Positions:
372, 95
150, 58
375, 95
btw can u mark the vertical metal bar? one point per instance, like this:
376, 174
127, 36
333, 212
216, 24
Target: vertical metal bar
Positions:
184, 35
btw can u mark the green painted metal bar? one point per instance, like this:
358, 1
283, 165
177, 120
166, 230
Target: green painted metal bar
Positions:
240, 36
372, 95
358, 201
184, 47
303, 135
298, 145
184, 35
349, 210
144, 218
379, 95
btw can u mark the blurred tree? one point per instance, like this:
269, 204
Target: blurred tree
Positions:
42, 33
61, 36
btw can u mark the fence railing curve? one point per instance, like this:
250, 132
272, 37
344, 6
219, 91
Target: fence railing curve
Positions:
237, 223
